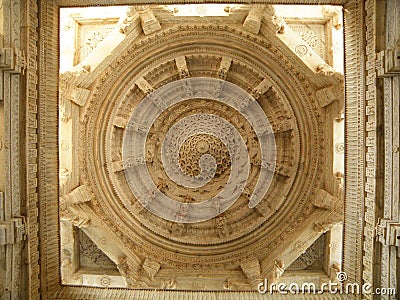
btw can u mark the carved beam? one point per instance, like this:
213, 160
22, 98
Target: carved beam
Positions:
117, 166
274, 265
252, 23
106, 241
150, 23
275, 26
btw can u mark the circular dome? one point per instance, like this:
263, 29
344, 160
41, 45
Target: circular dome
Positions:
196, 172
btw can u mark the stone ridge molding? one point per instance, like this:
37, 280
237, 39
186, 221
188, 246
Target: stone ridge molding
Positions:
41, 183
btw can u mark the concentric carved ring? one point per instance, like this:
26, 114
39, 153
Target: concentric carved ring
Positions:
148, 111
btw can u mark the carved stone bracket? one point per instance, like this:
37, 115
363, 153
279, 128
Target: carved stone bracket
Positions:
275, 22
79, 195
334, 13
79, 95
151, 267
117, 166
150, 23
252, 23
260, 89
144, 85
326, 201
182, 67
120, 122
252, 270
70, 209
12, 60
224, 67
330, 94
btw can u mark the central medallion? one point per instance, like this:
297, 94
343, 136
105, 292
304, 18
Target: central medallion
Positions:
196, 149
202, 146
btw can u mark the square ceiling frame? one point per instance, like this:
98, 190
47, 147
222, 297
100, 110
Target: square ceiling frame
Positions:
47, 179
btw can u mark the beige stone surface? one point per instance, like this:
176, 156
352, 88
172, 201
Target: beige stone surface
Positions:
65, 168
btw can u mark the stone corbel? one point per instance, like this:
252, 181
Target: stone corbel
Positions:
326, 96
120, 122
79, 95
150, 23
12, 60
117, 166
252, 23
144, 86
252, 270
70, 92
261, 89
328, 70
387, 63
151, 267
222, 226
224, 67
183, 70
79, 195
334, 207
142, 275
70, 209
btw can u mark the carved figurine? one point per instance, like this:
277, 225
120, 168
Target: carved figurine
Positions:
278, 270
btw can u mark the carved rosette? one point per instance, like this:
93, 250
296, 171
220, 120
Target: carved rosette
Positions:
192, 126
167, 144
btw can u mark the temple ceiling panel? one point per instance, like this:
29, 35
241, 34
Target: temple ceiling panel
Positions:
195, 154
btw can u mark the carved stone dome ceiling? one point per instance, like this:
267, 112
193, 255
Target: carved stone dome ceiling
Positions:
202, 146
